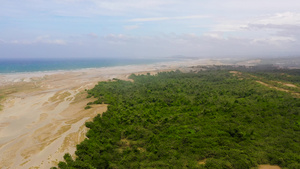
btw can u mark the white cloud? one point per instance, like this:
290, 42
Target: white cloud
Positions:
40, 39
116, 36
130, 4
117, 39
2, 41
89, 8
93, 35
228, 27
121, 45
55, 41
278, 19
276, 29
149, 19
286, 18
213, 35
275, 40
167, 18
130, 27
164, 27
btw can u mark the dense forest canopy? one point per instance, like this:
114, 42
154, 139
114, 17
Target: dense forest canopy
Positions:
214, 118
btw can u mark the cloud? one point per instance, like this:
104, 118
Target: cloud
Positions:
56, 42
213, 35
193, 45
121, 45
163, 28
120, 5
92, 35
286, 18
228, 27
130, 27
83, 8
117, 39
45, 39
275, 40
272, 26
167, 18
275, 29
277, 20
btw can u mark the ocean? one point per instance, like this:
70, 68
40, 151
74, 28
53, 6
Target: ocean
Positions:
40, 65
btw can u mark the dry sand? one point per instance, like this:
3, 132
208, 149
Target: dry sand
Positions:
43, 113
267, 166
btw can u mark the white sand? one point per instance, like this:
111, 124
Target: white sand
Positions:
43, 114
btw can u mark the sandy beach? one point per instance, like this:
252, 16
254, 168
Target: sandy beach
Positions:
43, 114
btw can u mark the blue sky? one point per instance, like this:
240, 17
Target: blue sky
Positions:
156, 28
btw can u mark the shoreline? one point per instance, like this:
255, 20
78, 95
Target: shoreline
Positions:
15, 66
26, 76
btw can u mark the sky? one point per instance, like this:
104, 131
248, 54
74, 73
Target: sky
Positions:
149, 28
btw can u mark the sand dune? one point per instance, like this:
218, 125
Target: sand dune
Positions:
43, 113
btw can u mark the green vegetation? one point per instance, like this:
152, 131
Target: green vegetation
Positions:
1, 98
202, 119
87, 107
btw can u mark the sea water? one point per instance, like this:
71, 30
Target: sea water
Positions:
36, 65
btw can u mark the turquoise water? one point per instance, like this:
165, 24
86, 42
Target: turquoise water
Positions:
36, 65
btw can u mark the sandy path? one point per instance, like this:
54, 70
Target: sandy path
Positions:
43, 114
267, 166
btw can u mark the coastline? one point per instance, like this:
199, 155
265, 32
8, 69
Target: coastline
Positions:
43, 113
25, 76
